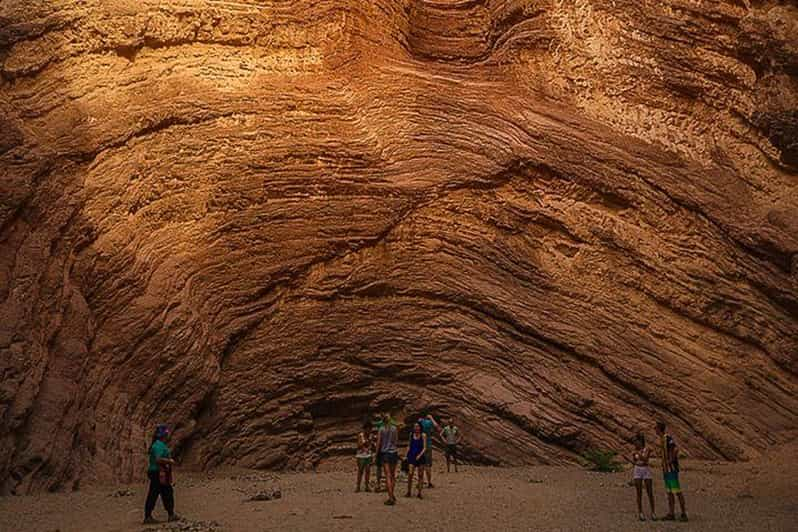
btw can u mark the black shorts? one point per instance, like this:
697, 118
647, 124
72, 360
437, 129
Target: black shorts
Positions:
390, 458
451, 450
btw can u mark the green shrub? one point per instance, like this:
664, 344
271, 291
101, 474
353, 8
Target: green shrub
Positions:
604, 461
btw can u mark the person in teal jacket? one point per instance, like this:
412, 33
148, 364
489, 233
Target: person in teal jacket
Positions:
159, 472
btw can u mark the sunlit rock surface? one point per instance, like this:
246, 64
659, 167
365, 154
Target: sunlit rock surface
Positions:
555, 220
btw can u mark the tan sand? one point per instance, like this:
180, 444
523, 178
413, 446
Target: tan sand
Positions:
755, 496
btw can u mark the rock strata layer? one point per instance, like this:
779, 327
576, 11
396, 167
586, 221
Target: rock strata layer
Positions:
555, 221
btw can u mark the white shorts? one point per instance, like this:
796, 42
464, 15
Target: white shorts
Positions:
641, 473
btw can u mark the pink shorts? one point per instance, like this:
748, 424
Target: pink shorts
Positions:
641, 473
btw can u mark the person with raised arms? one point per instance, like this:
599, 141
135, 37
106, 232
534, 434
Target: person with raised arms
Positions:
428, 424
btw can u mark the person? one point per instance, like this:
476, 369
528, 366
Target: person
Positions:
159, 472
377, 425
415, 459
451, 436
641, 475
428, 423
670, 471
363, 456
386, 443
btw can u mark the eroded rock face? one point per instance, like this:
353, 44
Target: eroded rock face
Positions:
258, 221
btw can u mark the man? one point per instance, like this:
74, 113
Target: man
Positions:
670, 469
378, 423
451, 436
428, 423
159, 472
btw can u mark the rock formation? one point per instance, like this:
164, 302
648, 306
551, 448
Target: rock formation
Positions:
259, 220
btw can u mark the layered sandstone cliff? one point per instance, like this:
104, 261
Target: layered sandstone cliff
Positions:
555, 220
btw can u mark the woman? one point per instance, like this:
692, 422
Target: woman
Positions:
364, 455
416, 458
386, 444
159, 472
641, 474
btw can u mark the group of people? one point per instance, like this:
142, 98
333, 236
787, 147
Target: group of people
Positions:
642, 476
378, 444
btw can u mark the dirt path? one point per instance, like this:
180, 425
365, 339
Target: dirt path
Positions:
758, 496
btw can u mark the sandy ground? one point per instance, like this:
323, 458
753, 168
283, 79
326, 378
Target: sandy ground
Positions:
759, 495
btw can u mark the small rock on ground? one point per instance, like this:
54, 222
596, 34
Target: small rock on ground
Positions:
267, 495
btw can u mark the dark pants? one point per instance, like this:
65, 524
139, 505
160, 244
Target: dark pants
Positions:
156, 489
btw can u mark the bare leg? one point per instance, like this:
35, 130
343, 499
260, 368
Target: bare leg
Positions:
650, 492
410, 471
428, 467
670, 504
360, 468
368, 476
681, 504
448, 461
454, 459
639, 489
392, 475
420, 483
388, 480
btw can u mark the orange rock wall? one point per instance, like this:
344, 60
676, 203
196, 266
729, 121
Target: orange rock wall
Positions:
556, 220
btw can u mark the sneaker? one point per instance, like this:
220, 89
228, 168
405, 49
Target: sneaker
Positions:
683, 518
173, 518
150, 521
